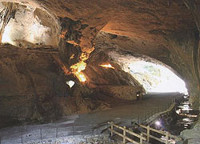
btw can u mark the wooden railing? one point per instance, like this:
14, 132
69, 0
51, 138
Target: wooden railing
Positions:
143, 136
124, 134
166, 134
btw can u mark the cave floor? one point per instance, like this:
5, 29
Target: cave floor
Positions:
91, 123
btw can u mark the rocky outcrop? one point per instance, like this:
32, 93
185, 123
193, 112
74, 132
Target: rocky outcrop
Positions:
30, 85
122, 92
192, 135
33, 87
27, 26
167, 31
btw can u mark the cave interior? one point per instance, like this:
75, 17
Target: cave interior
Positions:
59, 58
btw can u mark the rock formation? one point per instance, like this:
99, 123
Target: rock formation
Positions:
52, 41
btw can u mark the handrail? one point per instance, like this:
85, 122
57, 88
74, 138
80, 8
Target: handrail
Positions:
119, 134
128, 131
141, 136
155, 130
125, 131
165, 133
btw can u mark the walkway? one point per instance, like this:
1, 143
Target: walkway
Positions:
88, 124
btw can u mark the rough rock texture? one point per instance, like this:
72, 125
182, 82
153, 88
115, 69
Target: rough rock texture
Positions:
27, 26
122, 92
33, 88
192, 136
30, 85
164, 30
99, 76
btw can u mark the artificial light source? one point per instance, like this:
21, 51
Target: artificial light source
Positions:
77, 70
81, 77
79, 67
157, 123
107, 66
70, 83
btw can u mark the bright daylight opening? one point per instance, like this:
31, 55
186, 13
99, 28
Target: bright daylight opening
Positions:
154, 77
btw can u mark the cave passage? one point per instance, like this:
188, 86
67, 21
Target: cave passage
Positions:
154, 76
67, 68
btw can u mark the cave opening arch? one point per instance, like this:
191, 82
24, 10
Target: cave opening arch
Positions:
153, 75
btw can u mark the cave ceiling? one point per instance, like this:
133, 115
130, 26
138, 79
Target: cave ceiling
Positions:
142, 22
164, 30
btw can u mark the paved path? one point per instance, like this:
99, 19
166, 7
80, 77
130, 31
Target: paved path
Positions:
92, 123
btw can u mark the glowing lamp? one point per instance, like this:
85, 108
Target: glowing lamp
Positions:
81, 77
70, 83
157, 123
107, 66
76, 70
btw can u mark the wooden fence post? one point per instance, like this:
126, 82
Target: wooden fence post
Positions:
22, 135
111, 127
167, 138
148, 133
124, 135
41, 133
141, 138
56, 132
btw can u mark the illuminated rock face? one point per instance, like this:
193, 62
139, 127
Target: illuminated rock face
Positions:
167, 31
29, 27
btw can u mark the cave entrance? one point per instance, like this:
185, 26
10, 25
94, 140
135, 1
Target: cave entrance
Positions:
156, 78
153, 75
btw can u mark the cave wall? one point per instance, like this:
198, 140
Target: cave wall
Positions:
177, 50
173, 41
27, 26
122, 92
183, 50
194, 7
165, 30
31, 84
